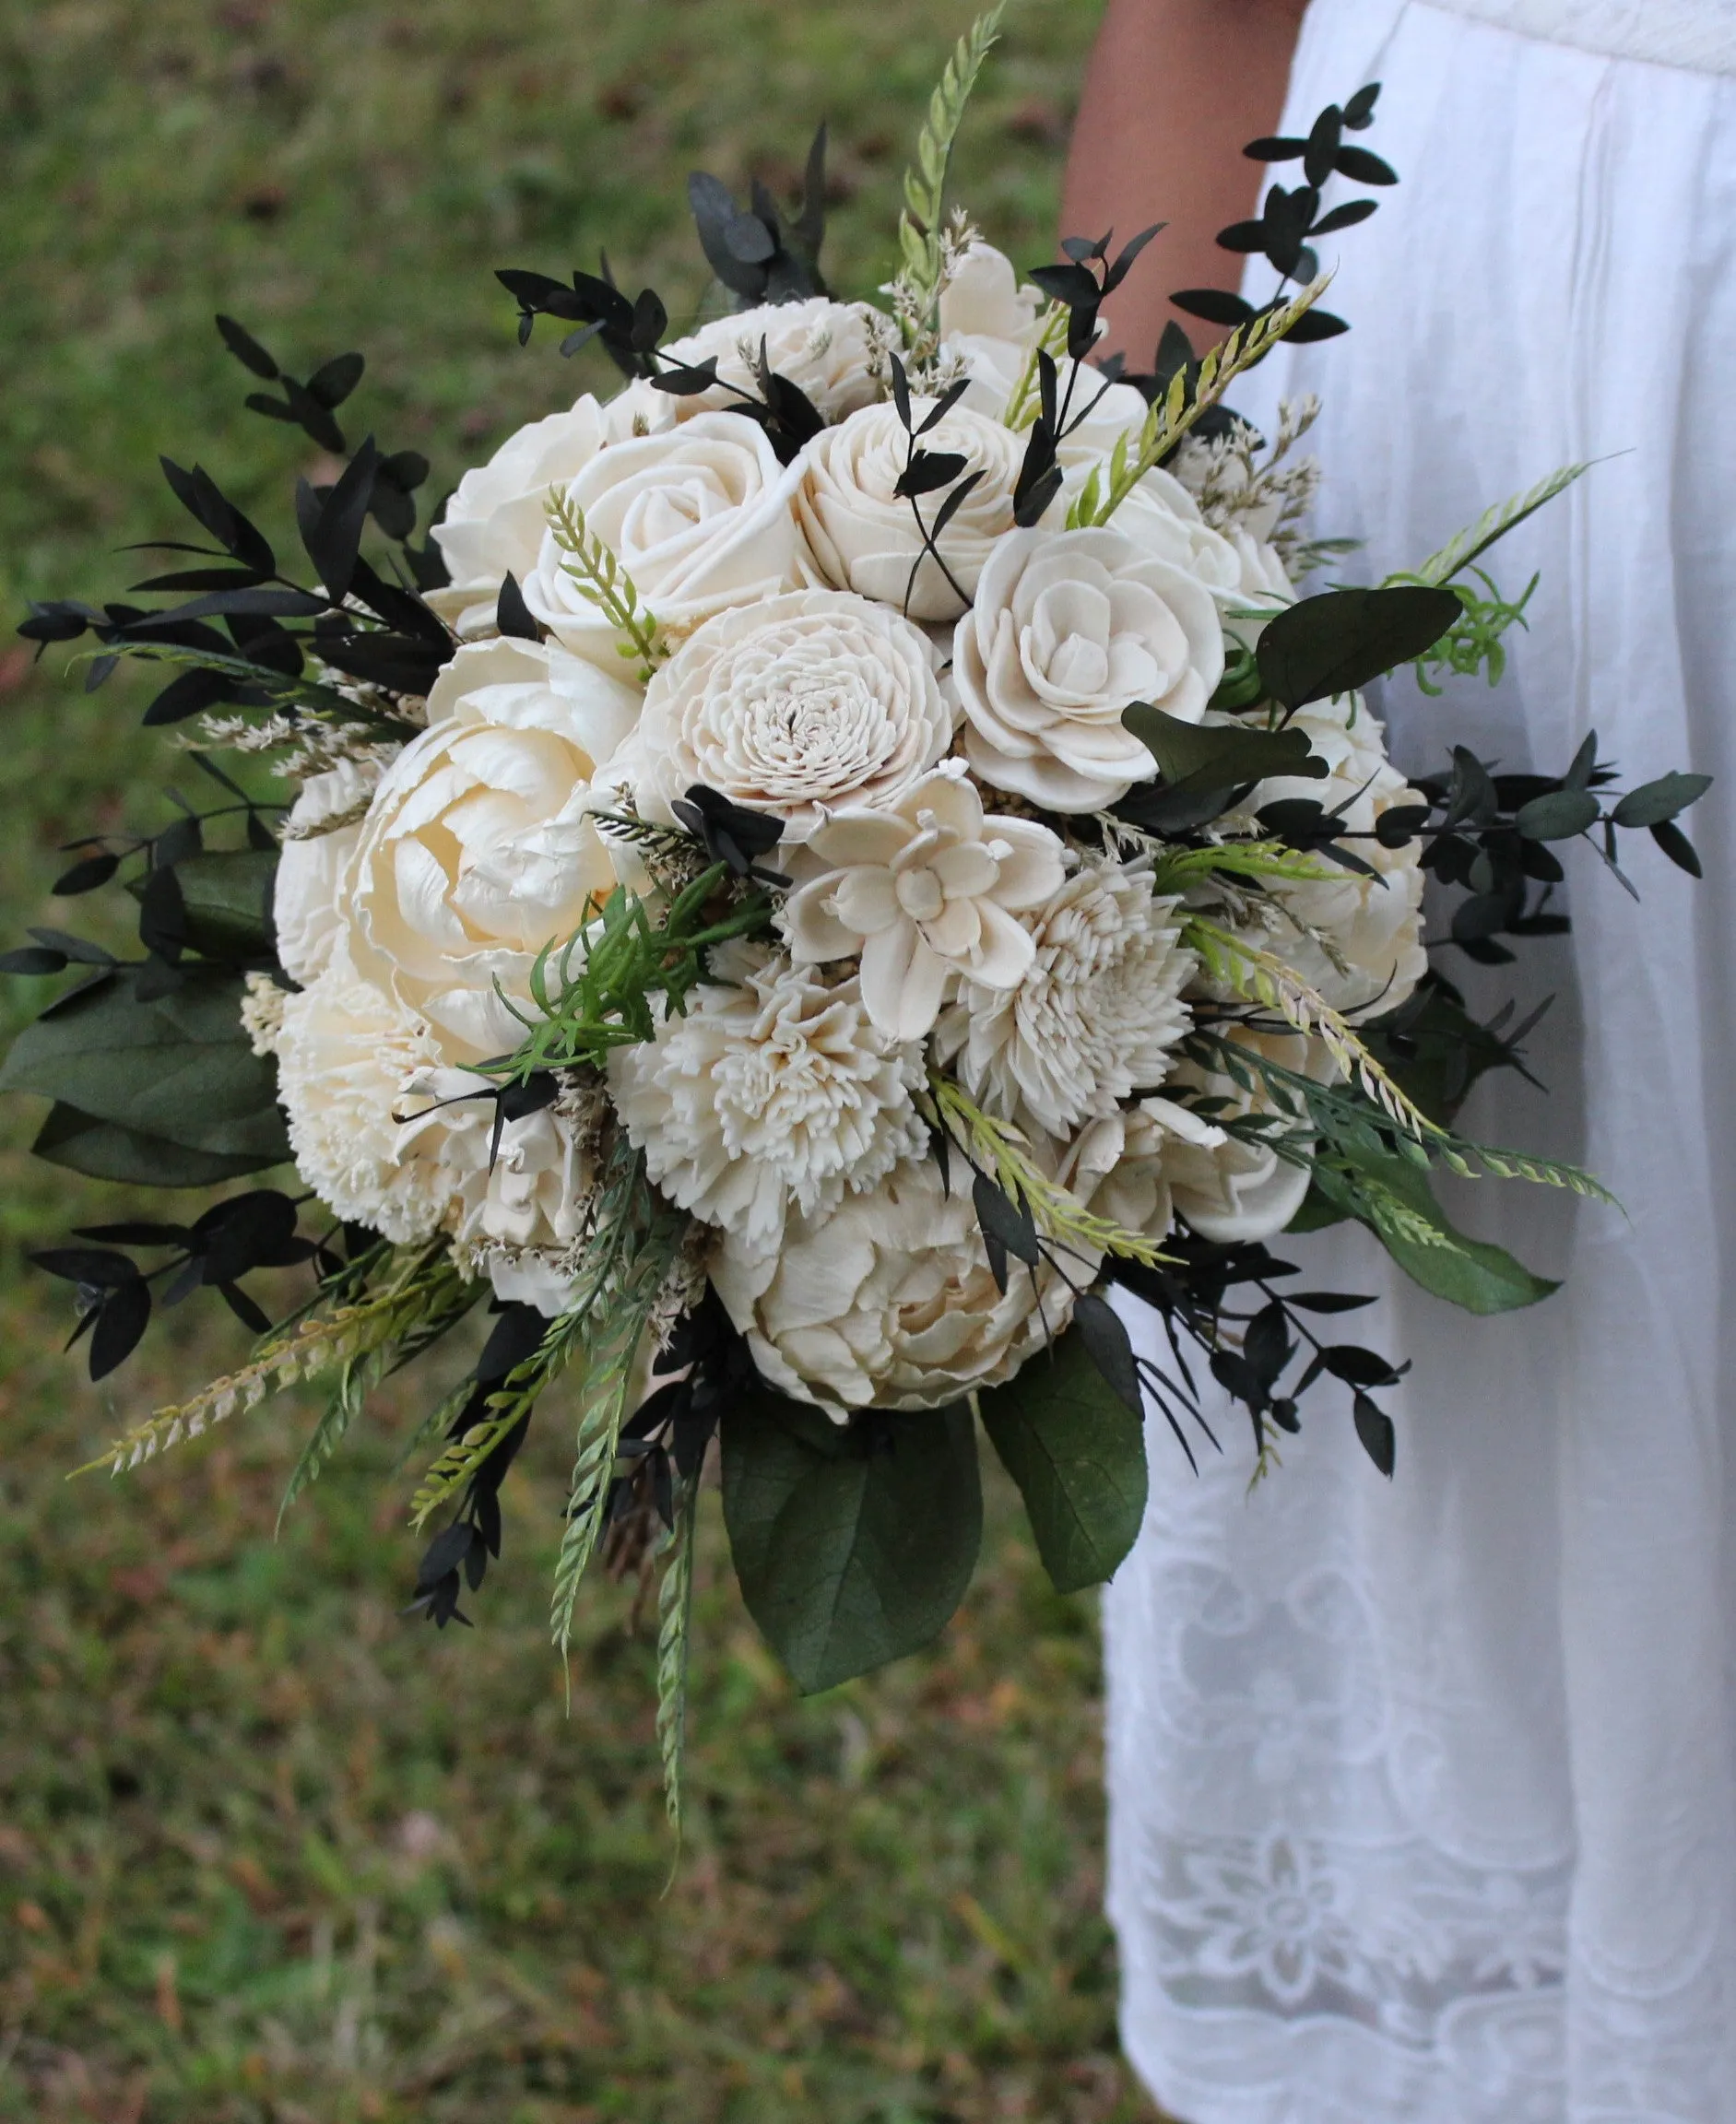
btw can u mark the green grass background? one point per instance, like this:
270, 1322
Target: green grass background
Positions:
267, 1853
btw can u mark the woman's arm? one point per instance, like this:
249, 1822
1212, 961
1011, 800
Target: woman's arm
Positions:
1174, 91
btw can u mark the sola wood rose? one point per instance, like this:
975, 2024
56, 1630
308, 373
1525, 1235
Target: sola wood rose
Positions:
751, 952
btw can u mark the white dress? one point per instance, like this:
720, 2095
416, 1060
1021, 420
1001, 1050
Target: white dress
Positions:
1422, 1795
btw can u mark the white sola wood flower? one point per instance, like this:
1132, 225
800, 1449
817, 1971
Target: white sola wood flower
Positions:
1068, 629
926, 890
773, 1091
1094, 1017
888, 1302
791, 707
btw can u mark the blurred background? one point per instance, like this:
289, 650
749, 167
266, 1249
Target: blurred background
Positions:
269, 1854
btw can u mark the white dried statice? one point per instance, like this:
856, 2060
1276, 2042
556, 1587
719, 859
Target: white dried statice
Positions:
774, 1093
1096, 1017
888, 1302
262, 1012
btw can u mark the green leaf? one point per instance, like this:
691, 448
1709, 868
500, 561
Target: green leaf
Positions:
107, 1151
1654, 802
1342, 639
180, 1067
1471, 1273
1077, 1452
1219, 755
227, 901
854, 1544
1560, 815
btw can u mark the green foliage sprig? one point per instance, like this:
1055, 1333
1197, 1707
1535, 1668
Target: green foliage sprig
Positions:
593, 567
917, 289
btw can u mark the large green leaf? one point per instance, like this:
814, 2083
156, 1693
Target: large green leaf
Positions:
1077, 1452
1219, 755
854, 1544
226, 897
1340, 640
107, 1151
1471, 1273
179, 1067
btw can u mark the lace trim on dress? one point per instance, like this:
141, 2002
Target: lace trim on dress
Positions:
1696, 34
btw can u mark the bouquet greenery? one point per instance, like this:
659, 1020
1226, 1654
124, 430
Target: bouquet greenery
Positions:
840, 896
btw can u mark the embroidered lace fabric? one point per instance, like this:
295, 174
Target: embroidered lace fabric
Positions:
1700, 34
1423, 1795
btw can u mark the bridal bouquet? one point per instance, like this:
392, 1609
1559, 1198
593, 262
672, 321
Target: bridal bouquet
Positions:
825, 866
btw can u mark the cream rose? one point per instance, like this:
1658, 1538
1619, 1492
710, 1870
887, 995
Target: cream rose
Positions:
792, 707
1068, 630
1163, 519
700, 516
864, 537
478, 849
888, 1302
827, 349
494, 522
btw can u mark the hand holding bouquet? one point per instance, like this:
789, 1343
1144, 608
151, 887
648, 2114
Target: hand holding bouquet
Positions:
825, 867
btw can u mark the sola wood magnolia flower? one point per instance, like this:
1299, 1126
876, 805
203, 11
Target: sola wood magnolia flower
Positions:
829, 866
926, 890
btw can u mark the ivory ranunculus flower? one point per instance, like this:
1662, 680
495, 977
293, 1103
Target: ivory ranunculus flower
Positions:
792, 707
478, 849
494, 522
926, 889
1094, 1017
320, 839
774, 1092
700, 517
1068, 629
889, 1301
864, 537
1357, 940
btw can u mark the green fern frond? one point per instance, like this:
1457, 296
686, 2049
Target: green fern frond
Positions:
593, 567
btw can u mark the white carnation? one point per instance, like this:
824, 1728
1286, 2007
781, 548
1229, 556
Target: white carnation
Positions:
773, 1093
792, 707
1068, 629
493, 525
1096, 1017
889, 1301
478, 849
700, 516
346, 1053
863, 536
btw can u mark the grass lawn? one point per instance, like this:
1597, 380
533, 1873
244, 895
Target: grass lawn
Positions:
267, 1853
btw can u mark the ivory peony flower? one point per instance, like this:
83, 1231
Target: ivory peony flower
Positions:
700, 516
1231, 1190
825, 349
320, 839
791, 707
925, 889
864, 537
1095, 1016
888, 1301
775, 1094
478, 850
1357, 940
1068, 630
494, 522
